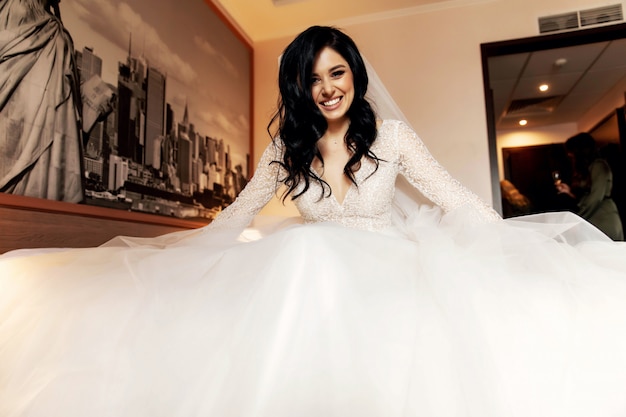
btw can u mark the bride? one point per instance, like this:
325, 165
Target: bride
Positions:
373, 304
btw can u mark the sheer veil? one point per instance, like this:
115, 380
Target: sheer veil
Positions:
382, 101
408, 202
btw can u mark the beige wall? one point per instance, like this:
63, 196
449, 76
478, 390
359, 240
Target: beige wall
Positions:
430, 62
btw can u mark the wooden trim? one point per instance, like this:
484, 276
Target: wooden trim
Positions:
61, 207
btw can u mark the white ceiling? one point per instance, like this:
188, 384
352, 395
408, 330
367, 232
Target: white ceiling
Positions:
271, 19
587, 73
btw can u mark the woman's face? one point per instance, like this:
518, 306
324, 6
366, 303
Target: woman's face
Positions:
332, 85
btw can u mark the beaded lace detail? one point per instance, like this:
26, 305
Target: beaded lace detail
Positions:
368, 206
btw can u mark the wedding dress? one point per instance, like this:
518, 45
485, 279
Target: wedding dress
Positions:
361, 308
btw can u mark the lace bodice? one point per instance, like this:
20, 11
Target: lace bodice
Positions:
366, 206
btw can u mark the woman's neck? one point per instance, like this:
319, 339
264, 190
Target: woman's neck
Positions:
336, 131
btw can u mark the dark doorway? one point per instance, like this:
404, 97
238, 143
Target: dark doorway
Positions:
531, 169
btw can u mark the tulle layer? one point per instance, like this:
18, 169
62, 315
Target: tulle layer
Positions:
524, 317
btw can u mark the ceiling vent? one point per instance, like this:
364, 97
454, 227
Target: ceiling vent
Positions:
533, 106
583, 18
558, 22
601, 15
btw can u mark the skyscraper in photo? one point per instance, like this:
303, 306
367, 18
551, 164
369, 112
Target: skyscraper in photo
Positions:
155, 117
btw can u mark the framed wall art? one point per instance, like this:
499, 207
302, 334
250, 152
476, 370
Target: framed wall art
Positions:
123, 106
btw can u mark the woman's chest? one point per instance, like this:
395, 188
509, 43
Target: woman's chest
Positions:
370, 197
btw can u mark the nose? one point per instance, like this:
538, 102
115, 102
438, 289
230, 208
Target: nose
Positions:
327, 87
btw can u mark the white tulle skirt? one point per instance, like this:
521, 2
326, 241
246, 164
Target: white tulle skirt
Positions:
522, 318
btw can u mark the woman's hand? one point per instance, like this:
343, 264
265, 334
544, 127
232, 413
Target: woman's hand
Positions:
563, 188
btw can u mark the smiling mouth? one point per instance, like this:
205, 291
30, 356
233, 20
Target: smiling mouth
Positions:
331, 103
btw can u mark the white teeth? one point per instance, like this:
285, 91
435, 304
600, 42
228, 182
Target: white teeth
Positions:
332, 102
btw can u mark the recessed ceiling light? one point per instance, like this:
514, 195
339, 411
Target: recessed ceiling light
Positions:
523, 122
544, 87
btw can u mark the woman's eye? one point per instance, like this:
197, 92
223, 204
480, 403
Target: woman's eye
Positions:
315, 81
338, 73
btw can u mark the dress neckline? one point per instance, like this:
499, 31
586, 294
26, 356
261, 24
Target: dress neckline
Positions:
332, 193
357, 174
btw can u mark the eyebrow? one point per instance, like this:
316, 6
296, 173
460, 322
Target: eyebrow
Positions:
336, 67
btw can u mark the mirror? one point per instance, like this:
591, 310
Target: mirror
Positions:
585, 71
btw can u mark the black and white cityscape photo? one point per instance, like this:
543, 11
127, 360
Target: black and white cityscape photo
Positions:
151, 106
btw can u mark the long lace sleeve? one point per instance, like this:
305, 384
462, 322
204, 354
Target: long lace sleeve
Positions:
257, 193
432, 180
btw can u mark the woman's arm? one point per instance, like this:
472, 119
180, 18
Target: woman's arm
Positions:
601, 183
432, 180
257, 193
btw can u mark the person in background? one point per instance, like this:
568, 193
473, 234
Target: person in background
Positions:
590, 190
514, 203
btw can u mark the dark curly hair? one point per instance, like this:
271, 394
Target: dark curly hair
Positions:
300, 122
583, 147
